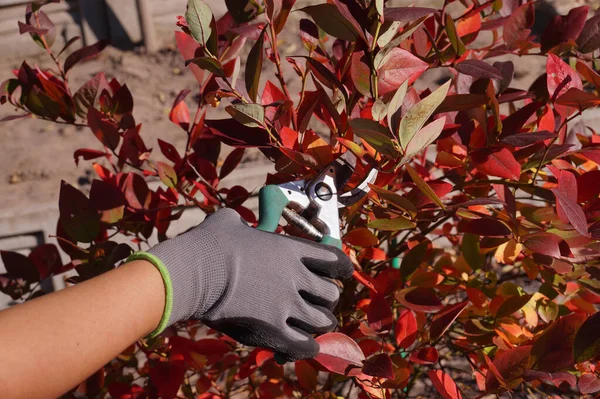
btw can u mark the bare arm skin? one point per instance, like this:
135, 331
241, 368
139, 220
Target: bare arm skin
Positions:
54, 342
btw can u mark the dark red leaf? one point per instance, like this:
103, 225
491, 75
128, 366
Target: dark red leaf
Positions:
83, 54
78, 217
419, 299
478, 69
167, 376
587, 340
26, 28
564, 28
527, 139
379, 366
553, 348
589, 39
444, 319
233, 133
406, 14
486, 227
588, 185
339, 353
231, 162
47, 259
19, 266
515, 121
379, 313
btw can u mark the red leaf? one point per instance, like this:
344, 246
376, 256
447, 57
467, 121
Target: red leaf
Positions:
558, 72
516, 26
379, 366
444, 384
500, 163
307, 375
543, 243
46, 259
567, 185
444, 319
187, 48
486, 227
573, 212
289, 138
104, 129
379, 313
587, 341
361, 237
406, 14
83, 54
169, 151
167, 376
406, 328
339, 353
427, 355
589, 383
87, 154
578, 99
397, 66
419, 299
511, 364
180, 114
231, 162
19, 266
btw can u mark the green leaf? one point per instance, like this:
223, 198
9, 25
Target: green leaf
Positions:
512, 304
423, 138
251, 115
470, 250
208, 63
395, 224
455, 40
254, 66
374, 134
330, 19
167, 174
395, 199
393, 111
413, 258
416, 117
587, 340
199, 16
424, 187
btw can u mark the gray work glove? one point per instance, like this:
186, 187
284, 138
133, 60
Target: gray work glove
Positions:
262, 289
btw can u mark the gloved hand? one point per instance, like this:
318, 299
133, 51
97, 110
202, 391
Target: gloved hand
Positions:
262, 289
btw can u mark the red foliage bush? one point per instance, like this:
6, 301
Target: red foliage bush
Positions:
476, 253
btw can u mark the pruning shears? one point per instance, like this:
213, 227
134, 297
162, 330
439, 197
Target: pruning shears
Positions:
312, 205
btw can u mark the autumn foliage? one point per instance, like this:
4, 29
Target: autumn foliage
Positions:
477, 251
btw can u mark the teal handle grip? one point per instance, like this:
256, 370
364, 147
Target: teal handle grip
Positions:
271, 201
334, 242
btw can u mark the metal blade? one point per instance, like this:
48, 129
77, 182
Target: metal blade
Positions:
357, 193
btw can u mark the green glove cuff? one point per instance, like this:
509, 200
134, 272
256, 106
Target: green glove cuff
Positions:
164, 320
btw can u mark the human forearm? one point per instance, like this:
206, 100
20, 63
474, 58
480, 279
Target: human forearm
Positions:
52, 343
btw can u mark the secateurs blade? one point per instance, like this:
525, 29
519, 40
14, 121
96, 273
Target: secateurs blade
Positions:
312, 205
